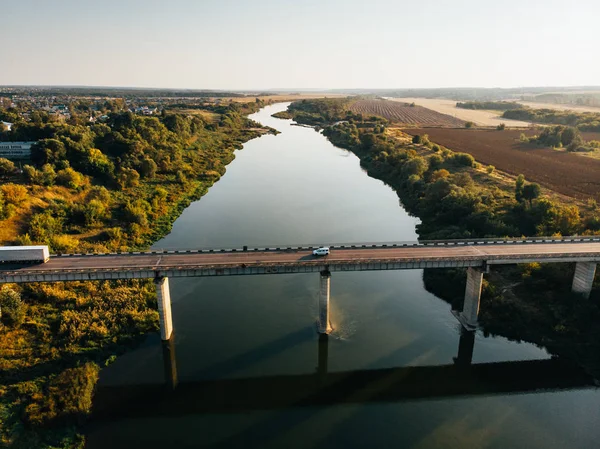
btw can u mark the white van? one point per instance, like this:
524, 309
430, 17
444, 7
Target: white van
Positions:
322, 251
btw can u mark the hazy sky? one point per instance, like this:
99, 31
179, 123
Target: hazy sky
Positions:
236, 44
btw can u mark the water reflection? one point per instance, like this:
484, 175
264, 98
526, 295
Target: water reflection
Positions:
324, 388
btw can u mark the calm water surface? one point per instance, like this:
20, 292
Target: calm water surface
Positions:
236, 337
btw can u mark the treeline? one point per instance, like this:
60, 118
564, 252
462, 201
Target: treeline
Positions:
493, 105
584, 121
560, 136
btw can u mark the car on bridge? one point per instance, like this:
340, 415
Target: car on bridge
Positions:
322, 251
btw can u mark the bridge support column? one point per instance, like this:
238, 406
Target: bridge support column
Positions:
468, 316
323, 326
163, 295
584, 278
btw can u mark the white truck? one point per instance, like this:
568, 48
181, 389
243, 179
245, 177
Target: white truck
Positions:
24, 254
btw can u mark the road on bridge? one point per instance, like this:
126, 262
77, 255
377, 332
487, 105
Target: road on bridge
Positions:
164, 260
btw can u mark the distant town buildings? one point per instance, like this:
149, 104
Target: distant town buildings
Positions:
15, 150
8, 125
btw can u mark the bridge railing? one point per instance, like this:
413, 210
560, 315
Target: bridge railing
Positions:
357, 245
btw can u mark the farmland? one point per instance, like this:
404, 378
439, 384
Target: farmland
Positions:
565, 173
404, 113
478, 116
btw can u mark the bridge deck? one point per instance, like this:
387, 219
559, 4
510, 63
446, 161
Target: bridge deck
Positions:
149, 265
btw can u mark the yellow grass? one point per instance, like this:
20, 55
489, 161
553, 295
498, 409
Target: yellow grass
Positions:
559, 107
479, 117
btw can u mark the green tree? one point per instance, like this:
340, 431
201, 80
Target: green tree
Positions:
519, 184
531, 192
569, 135
128, 177
12, 307
148, 168
6, 167
70, 178
469, 125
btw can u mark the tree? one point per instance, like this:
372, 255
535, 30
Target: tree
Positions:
469, 125
12, 307
148, 168
48, 175
519, 184
14, 193
48, 151
501, 127
569, 135
531, 192
6, 167
128, 178
70, 178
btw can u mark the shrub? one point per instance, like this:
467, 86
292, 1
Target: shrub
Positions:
70, 178
464, 159
501, 127
416, 139
6, 167
490, 169
439, 174
13, 193
469, 125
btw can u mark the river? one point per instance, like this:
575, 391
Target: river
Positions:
239, 340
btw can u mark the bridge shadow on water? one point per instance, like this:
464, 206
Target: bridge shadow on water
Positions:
324, 388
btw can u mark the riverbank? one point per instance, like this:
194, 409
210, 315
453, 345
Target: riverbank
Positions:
56, 337
457, 198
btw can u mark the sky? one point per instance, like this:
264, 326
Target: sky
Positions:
287, 44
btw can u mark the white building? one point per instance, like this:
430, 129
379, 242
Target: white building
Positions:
8, 125
15, 150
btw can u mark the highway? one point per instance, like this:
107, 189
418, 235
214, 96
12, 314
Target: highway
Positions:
391, 256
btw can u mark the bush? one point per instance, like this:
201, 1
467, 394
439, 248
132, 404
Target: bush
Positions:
416, 139
501, 127
490, 169
70, 178
469, 125
464, 159
13, 193
12, 307
6, 167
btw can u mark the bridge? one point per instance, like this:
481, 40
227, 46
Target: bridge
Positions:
475, 255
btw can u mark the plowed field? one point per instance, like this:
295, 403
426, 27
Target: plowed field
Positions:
404, 113
562, 172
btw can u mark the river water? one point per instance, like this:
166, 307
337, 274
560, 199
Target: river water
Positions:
245, 348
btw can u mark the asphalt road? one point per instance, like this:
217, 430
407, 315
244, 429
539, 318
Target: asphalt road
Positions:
299, 257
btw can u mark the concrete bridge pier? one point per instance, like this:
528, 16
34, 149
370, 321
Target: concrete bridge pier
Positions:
584, 278
323, 325
163, 295
470, 311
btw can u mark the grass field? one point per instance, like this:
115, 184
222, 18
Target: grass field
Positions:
404, 113
559, 107
565, 173
479, 117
